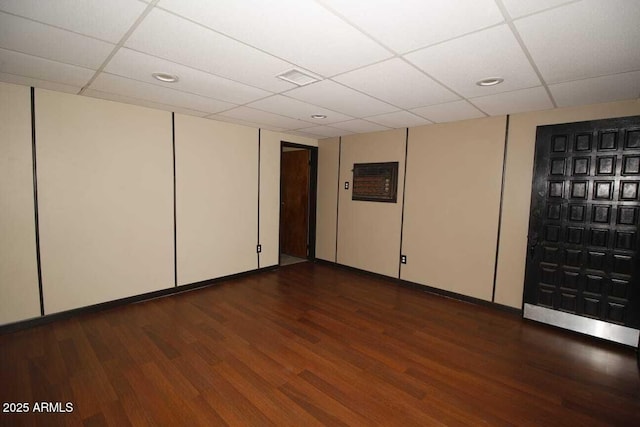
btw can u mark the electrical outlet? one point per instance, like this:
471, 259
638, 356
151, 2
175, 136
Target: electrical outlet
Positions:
403, 259
346, 185
259, 248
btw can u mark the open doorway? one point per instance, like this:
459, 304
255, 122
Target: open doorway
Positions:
298, 182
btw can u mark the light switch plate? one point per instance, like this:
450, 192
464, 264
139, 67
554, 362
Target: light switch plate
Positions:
346, 185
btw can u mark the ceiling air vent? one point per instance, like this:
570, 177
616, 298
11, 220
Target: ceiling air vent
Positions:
297, 77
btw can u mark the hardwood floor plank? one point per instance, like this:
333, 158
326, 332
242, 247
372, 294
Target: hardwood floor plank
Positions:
262, 395
312, 344
324, 408
234, 408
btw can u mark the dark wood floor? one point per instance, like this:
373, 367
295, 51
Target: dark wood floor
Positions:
315, 345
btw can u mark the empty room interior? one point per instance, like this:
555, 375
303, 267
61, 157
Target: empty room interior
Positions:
319, 212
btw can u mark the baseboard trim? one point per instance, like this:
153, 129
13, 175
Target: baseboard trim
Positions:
425, 288
48, 318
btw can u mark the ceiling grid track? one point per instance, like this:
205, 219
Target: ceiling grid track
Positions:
124, 38
516, 34
380, 65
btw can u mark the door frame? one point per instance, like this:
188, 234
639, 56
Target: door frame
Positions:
313, 196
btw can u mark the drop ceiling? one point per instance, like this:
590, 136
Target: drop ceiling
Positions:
380, 64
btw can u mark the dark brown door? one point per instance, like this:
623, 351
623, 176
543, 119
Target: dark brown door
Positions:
583, 230
294, 212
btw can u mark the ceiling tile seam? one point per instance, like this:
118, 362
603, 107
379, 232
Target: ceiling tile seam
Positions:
356, 27
289, 117
204, 71
353, 89
235, 104
242, 42
478, 108
246, 105
58, 28
364, 120
360, 67
504, 92
394, 105
124, 38
134, 98
269, 112
214, 116
240, 122
48, 59
317, 125
369, 118
558, 6
593, 77
297, 100
526, 52
479, 30
450, 102
55, 82
460, 96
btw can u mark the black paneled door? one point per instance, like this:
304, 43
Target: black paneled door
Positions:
583, 230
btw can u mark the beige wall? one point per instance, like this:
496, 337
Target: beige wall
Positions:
328, 159
452, 201
368, 232
20, 297
217, 198
270, 191
105, 176
454, 173
105, 180
105, 200
517, 190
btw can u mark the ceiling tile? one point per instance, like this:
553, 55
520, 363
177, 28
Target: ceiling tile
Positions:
449, 112
399, 119
43, 84
43, 69
219, 118
106, 20
586, 39
257, 116
139, 66
132, 88
518, 8
599, 89
398, 83
336, 97
359, 126
518, 101
37, 39
167, 36
325, 131
410, 24
460, 63
297, 109
129, 100
304, 134
299, 31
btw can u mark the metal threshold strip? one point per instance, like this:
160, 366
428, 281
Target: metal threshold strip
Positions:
585, 325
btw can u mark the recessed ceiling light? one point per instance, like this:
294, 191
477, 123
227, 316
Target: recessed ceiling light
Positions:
165, 77
318, 116
491, 81
297, 77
